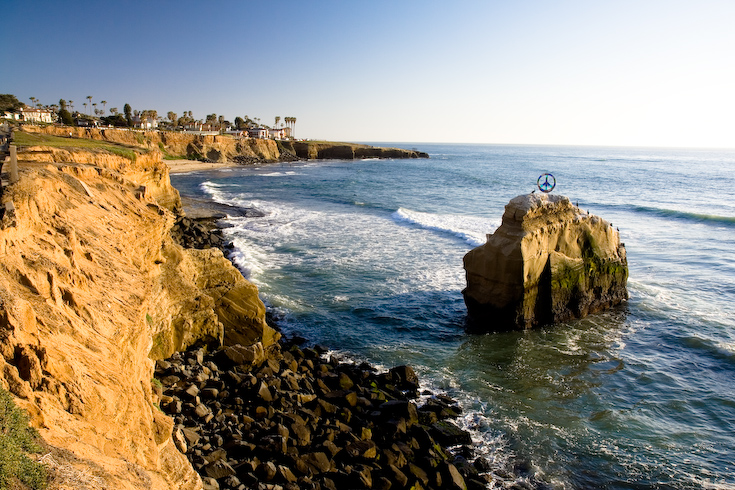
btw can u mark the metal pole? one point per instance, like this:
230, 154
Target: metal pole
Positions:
13, 165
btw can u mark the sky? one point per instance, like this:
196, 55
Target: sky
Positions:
579, 72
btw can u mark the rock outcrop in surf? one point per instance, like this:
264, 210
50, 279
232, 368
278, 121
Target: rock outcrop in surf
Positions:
548, 262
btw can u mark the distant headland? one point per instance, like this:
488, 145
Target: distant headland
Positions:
212, 140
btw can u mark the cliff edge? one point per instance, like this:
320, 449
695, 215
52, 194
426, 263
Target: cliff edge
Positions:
225, 148
93, 290
548, 262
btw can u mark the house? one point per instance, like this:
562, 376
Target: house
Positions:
258, 133
236, 133
277, 134
86, 122
145, 122
30, 114
193, 126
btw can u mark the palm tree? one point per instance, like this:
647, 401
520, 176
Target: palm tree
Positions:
95, 108
85, 106
33, 101
290, 122
278, 118
90, 102
71, 104
104, 106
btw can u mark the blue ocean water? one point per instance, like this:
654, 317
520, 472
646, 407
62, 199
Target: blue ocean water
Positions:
365, 257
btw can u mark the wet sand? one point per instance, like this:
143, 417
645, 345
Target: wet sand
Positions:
183, 166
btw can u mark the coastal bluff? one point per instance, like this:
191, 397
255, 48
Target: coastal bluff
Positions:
548, 262
225, 148
93, 290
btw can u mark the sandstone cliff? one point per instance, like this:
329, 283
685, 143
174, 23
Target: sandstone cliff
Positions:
183, 145
218, 148
548, 262
311, 150
92, 291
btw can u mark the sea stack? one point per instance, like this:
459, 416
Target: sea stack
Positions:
548, 262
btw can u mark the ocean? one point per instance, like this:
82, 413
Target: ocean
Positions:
365, 258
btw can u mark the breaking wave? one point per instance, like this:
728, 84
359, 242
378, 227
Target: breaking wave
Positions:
471, 229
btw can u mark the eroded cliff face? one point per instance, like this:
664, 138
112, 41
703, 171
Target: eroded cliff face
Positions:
92, 289
312, 150
212, 147
548, 262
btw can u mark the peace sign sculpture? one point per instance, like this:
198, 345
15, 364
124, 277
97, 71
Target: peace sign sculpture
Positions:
546, 182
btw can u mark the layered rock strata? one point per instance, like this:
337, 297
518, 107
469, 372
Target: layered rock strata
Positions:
222, 148
312, 150
93, 289
548, 262
295, 420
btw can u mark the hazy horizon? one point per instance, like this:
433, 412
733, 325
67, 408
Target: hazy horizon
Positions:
649, 74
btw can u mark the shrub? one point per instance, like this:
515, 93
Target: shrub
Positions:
17, 439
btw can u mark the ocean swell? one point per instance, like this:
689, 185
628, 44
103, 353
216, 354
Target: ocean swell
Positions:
471, 229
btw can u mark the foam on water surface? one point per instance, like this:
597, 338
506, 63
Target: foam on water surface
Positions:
365, 258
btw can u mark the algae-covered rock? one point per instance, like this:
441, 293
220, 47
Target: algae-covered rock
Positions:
548, 262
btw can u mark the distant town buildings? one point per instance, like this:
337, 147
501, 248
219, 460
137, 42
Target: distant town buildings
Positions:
147, 120
140, 122
258, 133
30, 114
38, 115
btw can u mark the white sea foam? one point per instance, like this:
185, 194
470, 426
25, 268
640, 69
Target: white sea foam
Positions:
280, 174
471, 229
386, 284
229, 194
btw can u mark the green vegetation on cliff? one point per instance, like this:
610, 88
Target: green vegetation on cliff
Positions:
16, 440
22, 138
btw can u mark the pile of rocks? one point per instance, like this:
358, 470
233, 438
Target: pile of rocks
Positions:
199, 234
291, 419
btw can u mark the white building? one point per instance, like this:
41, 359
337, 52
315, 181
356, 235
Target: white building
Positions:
145, 123
258, 133
30, 114
277, 134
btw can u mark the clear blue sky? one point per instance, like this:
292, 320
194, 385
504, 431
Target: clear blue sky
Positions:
623, 72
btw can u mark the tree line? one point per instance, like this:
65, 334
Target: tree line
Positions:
66, 115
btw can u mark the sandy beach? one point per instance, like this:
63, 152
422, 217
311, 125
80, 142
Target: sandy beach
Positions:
183, 166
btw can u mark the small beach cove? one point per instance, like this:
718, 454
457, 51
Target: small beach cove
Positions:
179, 166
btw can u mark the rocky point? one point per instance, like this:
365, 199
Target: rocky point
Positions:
548, 262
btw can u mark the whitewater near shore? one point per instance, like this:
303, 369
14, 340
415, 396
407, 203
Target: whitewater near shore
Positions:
365, 257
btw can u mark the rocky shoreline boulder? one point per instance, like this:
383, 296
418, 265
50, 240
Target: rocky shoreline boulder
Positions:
293, 418
548, 262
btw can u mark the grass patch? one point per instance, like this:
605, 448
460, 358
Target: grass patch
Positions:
17, 439
21, 138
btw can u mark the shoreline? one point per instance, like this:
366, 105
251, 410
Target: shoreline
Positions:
182, 166
356, 454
